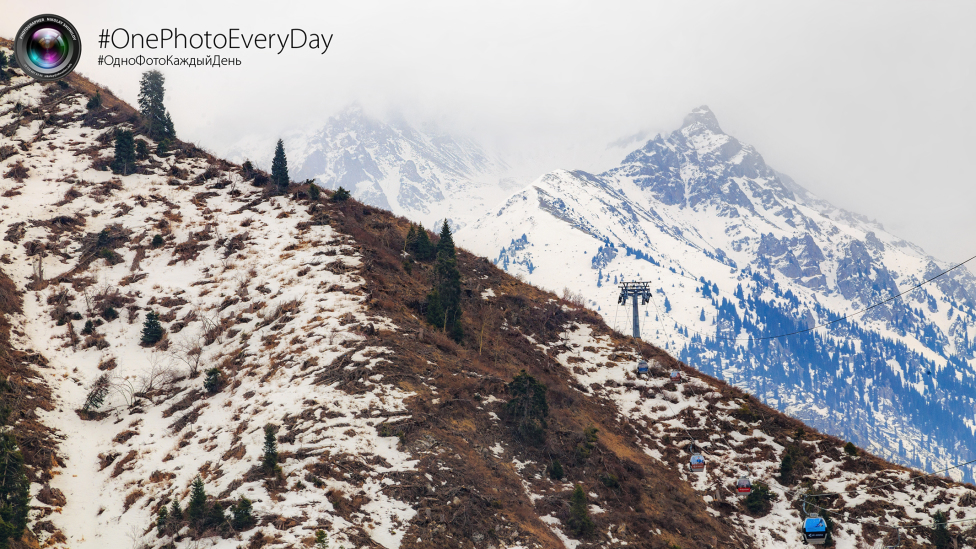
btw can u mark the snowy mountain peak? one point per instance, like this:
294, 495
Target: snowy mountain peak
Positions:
421, 172
700, 119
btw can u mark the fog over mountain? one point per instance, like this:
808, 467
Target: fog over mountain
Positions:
869, 103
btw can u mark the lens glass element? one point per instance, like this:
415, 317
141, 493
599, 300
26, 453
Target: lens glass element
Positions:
47, 48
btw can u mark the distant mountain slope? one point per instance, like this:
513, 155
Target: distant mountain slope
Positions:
426, 175
736, 250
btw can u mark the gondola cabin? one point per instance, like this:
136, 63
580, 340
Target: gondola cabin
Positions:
642, 368
697, 463
743, 486
815, 530
675, 375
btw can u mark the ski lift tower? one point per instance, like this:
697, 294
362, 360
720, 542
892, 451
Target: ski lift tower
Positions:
634, 290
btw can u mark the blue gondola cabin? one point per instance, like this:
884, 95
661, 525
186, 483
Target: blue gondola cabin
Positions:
642, 368
697, 463
815, 530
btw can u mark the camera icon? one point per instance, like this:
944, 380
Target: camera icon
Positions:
47, 47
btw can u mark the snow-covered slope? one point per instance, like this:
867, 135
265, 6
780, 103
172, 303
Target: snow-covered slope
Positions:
307, 316
266, 303
735, 251
423, 174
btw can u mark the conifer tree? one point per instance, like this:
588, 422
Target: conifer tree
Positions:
423, 248
270, 461
445, 244
243, 514
14, 491
197, 508
214, 380
313, 191
321, 539
96, 395
168, 132
340, 195
95, 101
528, 408
760, 500
125, 153
152, 90
175, 511
579, 521
447, 284
410, 241
279, 167
3, 65
940, 534
556, 470
142, 150
152, 330
435, 311
161, 521
215, 517
162, 147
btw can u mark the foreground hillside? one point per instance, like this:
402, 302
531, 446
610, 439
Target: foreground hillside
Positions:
306, 316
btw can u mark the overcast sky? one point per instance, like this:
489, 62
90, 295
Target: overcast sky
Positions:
869, 105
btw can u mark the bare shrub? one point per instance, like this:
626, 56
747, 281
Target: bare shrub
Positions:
242, 281
189, 351
127, 389
159, 375
7, 151
18, 171
576, 298
213, 329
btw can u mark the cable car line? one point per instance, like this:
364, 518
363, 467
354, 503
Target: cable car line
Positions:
909, 526
743, 485
829, 322
665, 329
892, 482
700, 450
814, 528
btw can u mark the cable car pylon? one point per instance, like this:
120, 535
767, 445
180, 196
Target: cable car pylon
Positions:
634, 290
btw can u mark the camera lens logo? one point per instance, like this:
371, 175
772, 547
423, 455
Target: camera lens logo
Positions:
47, 47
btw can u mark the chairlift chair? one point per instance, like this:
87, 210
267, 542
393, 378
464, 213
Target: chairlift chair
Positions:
697, 463
815, 530
743, 486
814, 526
